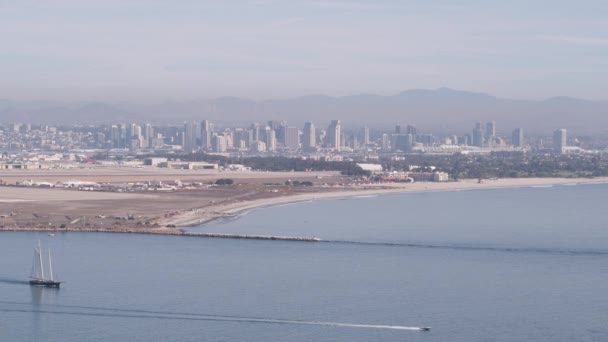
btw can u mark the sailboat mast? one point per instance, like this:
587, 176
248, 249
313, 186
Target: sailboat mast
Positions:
50, 265
40, 257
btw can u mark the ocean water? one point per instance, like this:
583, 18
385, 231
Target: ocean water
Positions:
526, 264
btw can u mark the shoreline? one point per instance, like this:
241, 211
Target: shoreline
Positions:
175, 225
162, 231
202, 216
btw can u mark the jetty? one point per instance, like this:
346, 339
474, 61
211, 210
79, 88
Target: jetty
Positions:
253, 237
160, 231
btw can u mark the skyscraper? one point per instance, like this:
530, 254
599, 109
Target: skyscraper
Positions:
148, 134
278, 126
559, 140
334, 135
397, 129
189, 136
402, 142
478, 136
271, 139
205, 134
365, 135
292, 138
386, 142
309, 140
518, 137
413, 131
118, 136
114, 136
255, 131
490, 132
219, 143
242, 138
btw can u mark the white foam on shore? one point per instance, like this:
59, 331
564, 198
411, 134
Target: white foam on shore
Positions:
366, 196
288, 204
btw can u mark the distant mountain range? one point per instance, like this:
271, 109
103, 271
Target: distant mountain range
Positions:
439, 110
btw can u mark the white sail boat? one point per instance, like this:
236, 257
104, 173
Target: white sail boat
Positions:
39, 277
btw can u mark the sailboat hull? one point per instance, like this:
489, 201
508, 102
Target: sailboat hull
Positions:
45, 283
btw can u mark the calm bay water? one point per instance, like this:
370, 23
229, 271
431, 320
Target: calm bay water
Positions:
501, 265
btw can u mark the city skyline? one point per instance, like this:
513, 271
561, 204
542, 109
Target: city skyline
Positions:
277, 137
303, 170
435, 109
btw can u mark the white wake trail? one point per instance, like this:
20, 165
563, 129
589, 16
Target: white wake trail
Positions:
346, 325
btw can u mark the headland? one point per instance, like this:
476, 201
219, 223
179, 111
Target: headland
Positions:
166, 212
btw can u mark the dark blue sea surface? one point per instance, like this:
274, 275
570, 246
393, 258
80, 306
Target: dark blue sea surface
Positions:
526, 264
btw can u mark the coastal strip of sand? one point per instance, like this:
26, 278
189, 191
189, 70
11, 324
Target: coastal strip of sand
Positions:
195, 211
198, 216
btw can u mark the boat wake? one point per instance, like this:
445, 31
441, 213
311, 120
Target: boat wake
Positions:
476, 248
13, 281
77, 310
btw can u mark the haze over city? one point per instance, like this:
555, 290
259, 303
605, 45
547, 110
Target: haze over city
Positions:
322, 170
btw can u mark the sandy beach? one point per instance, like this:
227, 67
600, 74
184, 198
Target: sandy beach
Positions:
154, 212
198, 216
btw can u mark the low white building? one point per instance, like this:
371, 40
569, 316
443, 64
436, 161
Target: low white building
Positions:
373, 168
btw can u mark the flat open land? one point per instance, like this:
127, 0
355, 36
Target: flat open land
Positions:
130, 174
48, 208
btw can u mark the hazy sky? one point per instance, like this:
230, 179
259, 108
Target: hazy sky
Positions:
149, 49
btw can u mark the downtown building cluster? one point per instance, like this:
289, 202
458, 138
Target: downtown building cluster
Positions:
276, 137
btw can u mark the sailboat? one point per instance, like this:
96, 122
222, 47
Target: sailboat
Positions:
38, 276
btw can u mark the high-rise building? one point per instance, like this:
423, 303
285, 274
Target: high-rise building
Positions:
334, 135
189, 136
518, 137
118, 136
134, 131
427, 139
229, 135
397, 129
242, 138
255, 132
271, 139
490, 132
354, 141
559, 140
148, 134
258, 146
134, 137
365, 135
386, 143
478, 136
114, 136
402, 142
292, 138
278, 126
14, 127
309, 138
206, 134
219, 143
413, 131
